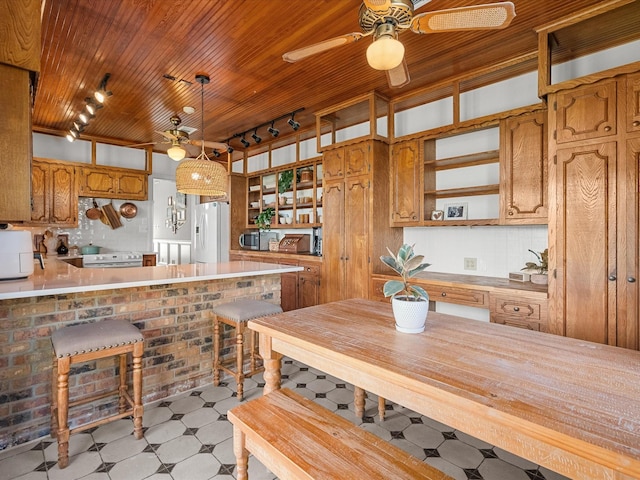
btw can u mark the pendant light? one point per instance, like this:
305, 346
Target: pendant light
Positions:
202, 176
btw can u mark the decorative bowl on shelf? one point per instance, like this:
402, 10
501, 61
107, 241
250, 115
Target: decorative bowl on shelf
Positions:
254, 188
289, 220
255, 204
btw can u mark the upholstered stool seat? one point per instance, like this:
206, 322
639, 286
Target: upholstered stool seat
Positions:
85, 343
236, 315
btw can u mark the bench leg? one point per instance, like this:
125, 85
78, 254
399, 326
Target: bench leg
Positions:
241, 453
358, 401
381, 408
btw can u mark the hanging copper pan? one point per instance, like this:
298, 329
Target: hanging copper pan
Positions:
128, 210
94, 213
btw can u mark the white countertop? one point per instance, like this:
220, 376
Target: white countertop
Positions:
59, 277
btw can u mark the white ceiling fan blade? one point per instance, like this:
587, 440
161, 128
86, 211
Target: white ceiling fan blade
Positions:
304, 52
477, 17
398, 76
378, 6
221, 147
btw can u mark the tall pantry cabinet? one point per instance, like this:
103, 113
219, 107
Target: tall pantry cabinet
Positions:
356, 227
594, 140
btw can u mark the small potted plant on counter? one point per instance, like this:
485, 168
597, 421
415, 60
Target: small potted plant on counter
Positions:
410, 303
263, 219
538, 270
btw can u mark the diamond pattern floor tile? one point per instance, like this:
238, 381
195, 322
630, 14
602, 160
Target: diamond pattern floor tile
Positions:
189, 437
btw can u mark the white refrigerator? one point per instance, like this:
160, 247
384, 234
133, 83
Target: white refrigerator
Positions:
210, 233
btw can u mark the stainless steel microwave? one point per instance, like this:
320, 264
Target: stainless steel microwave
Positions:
253, 240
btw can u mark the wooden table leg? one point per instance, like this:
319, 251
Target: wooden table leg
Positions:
272, 364
358, 401
241, 454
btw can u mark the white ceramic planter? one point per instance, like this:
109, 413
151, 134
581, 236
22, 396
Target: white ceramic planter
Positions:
410, 316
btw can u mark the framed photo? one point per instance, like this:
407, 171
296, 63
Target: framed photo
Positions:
455, 211
437, 215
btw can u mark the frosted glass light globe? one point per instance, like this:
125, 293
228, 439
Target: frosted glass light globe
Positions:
385, 53
176, 153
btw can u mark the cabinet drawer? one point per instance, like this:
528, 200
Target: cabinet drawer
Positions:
375, 290
459, 296
514, 322
516, 308
310, 269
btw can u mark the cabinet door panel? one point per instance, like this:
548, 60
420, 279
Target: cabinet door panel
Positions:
406, 187
356, 237
333, 164
289, 291
356, 161
308, 287
523, 189
333, 242
586, 112
585, 295
39, 189
97, 183
64, 201
633, 103
132, 186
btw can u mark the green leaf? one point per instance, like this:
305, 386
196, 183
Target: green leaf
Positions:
414, 262
418, 269
391, 262
405, 253
392, 287
417, 291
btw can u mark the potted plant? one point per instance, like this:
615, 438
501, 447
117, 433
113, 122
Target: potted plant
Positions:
285, 180
538, 270
263, 219
410, 303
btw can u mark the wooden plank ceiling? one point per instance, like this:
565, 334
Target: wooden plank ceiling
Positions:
239, 44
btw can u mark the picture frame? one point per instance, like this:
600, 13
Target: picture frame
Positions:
455, 211
437, 215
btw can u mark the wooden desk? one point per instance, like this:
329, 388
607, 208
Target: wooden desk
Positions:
569, 405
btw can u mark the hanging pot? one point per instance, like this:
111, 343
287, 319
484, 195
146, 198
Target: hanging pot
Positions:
128, 210
94, 213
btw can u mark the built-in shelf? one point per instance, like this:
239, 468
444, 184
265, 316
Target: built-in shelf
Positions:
465, 192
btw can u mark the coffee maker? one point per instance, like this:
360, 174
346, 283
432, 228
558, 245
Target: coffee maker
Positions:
317, 241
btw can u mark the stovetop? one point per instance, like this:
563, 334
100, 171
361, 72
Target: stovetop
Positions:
122, 259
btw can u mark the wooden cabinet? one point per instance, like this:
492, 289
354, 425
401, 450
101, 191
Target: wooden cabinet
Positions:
519, 311
586, 112
15, 137
149, 259
356, 229
407, 176
593, 234
309, 286
112, 183
523, 169
54, 196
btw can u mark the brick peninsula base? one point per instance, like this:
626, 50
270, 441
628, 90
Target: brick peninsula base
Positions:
174, 319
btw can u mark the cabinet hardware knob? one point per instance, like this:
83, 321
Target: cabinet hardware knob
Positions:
346, 258
510, 212
631, 280
607, 128
612, 278
516, 309
636, 123
444, 294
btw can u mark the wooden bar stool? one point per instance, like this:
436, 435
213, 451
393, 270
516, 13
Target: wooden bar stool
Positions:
84, 343
236, 315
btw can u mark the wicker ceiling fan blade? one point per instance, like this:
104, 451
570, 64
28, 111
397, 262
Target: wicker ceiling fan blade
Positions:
141, 144
378, 6
167, 134
221, 147
477, 17
304, 52
398, 76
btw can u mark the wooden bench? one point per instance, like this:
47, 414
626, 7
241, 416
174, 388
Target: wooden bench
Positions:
296, 438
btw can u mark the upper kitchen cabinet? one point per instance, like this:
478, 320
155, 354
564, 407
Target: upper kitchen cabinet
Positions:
407, 180
54, 196
364, 117
20, 34
105, 182
633, 103
523, 169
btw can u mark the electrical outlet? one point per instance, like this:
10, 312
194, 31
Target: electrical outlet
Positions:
470, 263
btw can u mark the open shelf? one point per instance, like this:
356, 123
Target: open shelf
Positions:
470, 160
465, 191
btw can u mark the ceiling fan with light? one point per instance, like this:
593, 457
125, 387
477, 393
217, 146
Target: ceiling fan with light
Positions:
178, 137
385, 19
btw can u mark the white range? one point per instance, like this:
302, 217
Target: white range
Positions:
112, 260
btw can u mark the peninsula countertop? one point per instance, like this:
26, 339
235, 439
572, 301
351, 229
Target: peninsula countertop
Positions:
59, 277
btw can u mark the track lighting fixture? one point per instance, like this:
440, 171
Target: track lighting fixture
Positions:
295, 125
101, 94
229, 148
92, 106
244, 141
216, 153
273, 131
70, 136
255, 136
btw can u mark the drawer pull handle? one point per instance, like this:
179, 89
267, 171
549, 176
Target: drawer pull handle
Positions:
444, 294
607, 128
516, 309
636, 123
613, 278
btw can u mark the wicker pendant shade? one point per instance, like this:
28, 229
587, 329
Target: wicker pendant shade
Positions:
202, 176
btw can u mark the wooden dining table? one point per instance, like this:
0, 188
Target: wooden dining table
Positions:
569, 405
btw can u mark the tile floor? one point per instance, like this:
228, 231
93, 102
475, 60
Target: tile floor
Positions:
187, 437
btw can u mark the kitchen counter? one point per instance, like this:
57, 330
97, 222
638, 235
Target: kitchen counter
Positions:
58, 277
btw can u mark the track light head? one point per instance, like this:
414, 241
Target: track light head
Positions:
85, 117
101, 94
92, 106
255, 136
295, 125
273, 131
244, 141
70, 136
216, 153
229, 148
